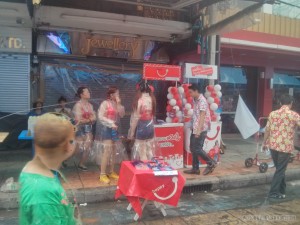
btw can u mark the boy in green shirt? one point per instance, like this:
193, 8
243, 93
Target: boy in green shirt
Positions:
43, 201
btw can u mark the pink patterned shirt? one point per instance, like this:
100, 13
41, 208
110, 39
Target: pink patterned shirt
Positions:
282, 125
201, 104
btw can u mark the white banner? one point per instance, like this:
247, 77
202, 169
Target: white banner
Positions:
201, 71
244, 120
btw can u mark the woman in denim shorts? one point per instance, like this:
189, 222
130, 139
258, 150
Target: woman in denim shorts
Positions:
107, 137
142, 123
85, 118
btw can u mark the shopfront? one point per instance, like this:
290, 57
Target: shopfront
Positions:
234, 83
15, 50
286, 82
69, 60
259, 67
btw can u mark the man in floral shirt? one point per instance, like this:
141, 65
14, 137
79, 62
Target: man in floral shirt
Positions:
279, 137
200, 126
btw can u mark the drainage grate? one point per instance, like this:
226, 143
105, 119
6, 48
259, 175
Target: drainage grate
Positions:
197, 188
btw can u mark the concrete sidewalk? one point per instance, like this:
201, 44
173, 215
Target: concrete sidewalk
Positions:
231, 173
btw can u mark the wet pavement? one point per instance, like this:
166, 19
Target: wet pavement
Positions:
232, 163
239, 206
245, 205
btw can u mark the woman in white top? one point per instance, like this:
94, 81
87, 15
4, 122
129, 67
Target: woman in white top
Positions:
107, 135
142, 123
85, 118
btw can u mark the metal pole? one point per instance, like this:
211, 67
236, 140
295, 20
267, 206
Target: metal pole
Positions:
212, 42
202, 40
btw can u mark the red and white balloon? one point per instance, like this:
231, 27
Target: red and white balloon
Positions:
213, 95
179, 108
174, 113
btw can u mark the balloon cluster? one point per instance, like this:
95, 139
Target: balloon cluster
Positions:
180, 104
213, 95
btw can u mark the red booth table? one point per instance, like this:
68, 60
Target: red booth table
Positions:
143, 184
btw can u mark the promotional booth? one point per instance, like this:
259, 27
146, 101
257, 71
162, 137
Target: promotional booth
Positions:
168, 136
213, 95
173, 137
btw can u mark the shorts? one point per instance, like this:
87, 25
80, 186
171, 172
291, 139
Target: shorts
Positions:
108, 133
145, 130
84, 129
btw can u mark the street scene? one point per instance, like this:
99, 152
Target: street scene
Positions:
233, 207
149, 112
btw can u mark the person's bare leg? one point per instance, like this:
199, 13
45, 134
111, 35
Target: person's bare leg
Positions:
112, 173
149, 148
142, 150
79, 147
105, 156
87, 148
113, 159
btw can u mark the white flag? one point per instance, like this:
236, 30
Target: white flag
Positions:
244, 120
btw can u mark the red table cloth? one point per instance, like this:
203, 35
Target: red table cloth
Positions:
136, 184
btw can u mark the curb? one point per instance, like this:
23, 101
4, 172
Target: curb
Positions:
96, 195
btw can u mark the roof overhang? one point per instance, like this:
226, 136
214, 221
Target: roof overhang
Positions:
57, 18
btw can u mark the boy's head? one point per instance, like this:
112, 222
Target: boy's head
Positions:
194, 90
54, 137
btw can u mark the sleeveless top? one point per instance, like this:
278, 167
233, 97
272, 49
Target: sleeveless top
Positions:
111, 112
146, 108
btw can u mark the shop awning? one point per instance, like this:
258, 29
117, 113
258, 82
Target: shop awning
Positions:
232, 75
284, 79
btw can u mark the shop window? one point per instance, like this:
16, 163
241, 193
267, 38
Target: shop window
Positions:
286, 83
63, 80
54, 42
234, 83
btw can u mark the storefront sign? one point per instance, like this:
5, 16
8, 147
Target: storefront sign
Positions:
201, 71
11, 42
161, 72
111, 46
115, 44
15, 40
106, 46
169, 141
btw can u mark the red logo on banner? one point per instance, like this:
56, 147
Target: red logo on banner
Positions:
161, 72
167, 137
216, 136
170, 142
200, 70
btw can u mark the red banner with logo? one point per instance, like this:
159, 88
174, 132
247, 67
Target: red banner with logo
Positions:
200, 70
161, 72
169, 139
